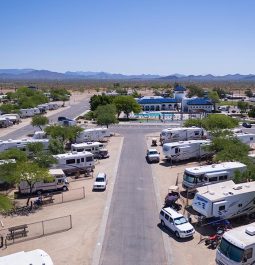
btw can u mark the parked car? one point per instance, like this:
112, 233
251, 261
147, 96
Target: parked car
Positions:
100, 181
176, 222
152, 155
247, 125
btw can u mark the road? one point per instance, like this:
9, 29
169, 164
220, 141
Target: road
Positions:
132, 235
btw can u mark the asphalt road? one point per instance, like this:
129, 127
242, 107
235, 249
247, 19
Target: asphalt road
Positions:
132, 236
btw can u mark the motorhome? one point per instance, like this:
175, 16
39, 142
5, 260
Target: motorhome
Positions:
181, 134
35, 257
43, 107
58, 182
75, 162
237, 246
25, 113
205, 175
5, 122
95, 148
183, 150
90, 135
225, 200
22, 144
14, 118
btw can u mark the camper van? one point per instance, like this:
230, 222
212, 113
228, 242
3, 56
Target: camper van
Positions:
34, 257
58, 182
181, 134
90, 135
21, 144
95, 148
25, 113
75, 162
14, 118
205, 175
237, 246
178, 151
225, 200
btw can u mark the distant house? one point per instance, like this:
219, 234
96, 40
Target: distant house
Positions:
199, 105
34, 88
157, 103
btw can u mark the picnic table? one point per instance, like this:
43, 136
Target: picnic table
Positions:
16, 232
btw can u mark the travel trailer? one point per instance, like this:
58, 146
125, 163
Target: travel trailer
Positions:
25, 113
58, 182
246, 138
90, 135
195, 177
14, 118
181, 134
75, 162
22, 144
225, 200
237, 246
53, 106
178, 151
95, 148
34, 257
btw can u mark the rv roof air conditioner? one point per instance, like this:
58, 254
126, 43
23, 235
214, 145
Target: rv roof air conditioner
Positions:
213, 165
211, 192
250, 230
237, 187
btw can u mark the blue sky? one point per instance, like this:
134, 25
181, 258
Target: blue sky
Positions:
129, 36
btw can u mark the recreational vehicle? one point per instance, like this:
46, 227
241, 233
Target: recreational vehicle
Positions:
90, 135
75, 162
246, 138
25, 113
58, 182
95, 148
14, 118
67, 122
181, 134
205, 175
34, 257
225, 200
22, 144
53, 106
237, 246
178, 151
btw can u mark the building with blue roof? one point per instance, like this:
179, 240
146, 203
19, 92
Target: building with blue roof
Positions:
158, 103
199, 105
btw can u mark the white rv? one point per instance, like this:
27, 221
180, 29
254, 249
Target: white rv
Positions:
14, 118
246, 138
95, 148
53, 106
90, 135
75, 162
35, 257
22, 144
25, 113
181, 134
58, 182
225, 200
205, 175
237, 246
178, 151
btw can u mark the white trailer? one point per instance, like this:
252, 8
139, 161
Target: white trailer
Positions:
53, 106
22, 144
34, 257
178, 151
181, 134
95, 148
58, 182
90, 135
75, 162
237, 246
25, 113
205, 175
246, 138
225, 200
14, 118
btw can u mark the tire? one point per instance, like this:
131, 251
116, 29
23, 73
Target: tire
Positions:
162, 223
65, 188
177, 234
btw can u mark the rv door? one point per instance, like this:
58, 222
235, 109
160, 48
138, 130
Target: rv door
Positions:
219, 208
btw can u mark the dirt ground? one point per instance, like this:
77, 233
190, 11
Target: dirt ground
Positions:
165, 176
76, 245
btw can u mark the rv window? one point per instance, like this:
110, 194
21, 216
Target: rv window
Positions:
80, 150
205, 179
213, 179
240, 205
60, 181
176, 150
78, 161
89, 158
197, 133
223, 177
248, 253
167, 216
222, 207
162, 213
251, 139
82, 160
70, 161
171, 220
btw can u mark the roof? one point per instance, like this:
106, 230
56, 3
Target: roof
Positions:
172, 212
156, 100
192, 128
215, 167
56, 171
180, 143
179, 88
86, 144
199, 101
73, 154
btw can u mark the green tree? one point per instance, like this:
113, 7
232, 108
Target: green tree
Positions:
39, 121
220, 91
194, 90
106, 115
243, 106
248, 93
56, 147
213, 95
14, 153
251, 113
127, 104
9, 108
98, 100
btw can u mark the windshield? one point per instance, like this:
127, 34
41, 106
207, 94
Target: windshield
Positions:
229, 250
153, 152
189, 178
99, 179
180, 221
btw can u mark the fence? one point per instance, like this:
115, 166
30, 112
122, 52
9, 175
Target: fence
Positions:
31, 231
